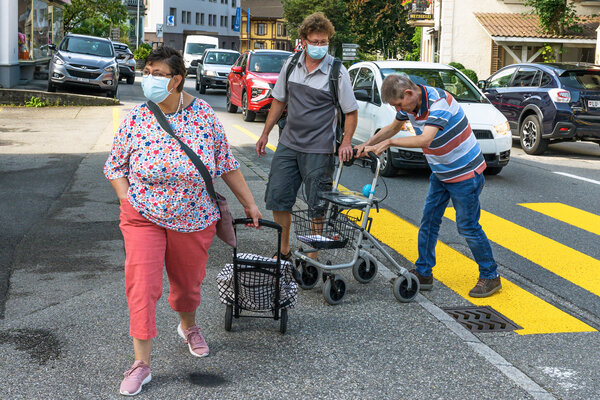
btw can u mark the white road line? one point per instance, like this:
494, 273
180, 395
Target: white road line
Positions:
578, 177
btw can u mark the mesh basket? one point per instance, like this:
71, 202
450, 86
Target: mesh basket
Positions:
334, 231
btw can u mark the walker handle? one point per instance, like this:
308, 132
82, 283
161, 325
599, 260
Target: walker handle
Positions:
261, 222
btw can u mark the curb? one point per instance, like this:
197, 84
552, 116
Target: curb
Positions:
21, 96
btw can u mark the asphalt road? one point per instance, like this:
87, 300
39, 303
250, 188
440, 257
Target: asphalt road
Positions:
63, 332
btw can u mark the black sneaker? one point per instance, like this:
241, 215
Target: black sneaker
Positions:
426, 282
486, 287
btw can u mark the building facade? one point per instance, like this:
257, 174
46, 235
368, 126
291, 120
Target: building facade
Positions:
27, 27
181, 18
136, 10
485, 35
267, 26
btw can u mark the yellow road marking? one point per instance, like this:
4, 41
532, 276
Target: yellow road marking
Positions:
576, 267
459, 273
116, 121
567, 214
253, 136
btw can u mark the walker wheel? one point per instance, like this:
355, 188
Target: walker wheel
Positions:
308, 275
228, 317
402, 292
334, 289
364, 270
283, 319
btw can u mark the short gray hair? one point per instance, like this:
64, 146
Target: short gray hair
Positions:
394, 85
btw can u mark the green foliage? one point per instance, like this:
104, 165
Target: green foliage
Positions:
556, 16
415, 54
470, 74
456, 65
142, 52
35, 102
94, 17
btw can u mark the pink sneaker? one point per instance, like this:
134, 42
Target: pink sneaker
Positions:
195, 341
137, 376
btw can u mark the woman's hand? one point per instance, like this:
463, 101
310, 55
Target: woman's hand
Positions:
254, 213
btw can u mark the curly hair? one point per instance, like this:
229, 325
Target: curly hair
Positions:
316, 23
172, 58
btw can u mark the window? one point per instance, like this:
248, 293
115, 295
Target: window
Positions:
189, 17
232, 22
581, 79
353, 75
364, 81
281, 30
233, 4
225, 18
232, 45
526, 77
501, 78
261, 29
201, 18
259, 45
270, 63
546, 80
197, 18
173, 12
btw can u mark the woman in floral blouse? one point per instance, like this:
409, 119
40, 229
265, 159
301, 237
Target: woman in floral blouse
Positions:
167, 215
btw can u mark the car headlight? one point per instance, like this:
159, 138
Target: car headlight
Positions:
260, 84
502, 129
58, 61
111, 68
210, 73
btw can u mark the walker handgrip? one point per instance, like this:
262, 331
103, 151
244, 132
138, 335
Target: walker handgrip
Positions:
261, 222
351, 161
375, 160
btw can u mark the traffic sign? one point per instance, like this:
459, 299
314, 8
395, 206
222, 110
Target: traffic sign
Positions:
159, 30
170, 20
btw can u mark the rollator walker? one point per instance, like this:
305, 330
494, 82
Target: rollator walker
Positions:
345, 238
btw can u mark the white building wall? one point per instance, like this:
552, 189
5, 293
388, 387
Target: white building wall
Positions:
9, 62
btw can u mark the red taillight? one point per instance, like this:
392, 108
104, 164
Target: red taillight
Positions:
563, 129
560, 95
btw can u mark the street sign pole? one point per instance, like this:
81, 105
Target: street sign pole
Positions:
248, 28
137, 26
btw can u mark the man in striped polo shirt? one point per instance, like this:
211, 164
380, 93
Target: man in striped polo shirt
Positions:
443, 132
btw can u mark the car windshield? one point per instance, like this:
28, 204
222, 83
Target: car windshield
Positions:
271, 63
93, 47
198, 48
220, 57
586, 80
446, 79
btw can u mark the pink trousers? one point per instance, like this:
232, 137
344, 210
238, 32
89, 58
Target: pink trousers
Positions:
147, 248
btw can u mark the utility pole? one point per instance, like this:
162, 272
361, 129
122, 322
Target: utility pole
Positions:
137, 26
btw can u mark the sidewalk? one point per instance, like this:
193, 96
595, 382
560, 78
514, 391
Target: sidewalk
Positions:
65, 334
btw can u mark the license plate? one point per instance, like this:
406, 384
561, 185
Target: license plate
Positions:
594, 103
87, 80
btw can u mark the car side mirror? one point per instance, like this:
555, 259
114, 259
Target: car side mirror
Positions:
52, 47
482, 84
236, 70
362, 95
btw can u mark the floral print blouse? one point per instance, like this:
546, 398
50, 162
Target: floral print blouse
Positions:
165, 186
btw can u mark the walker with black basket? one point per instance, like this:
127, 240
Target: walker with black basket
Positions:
340, 233
256, 284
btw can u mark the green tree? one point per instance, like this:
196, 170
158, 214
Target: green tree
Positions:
380, 25
95, 17
294, 12
556, 16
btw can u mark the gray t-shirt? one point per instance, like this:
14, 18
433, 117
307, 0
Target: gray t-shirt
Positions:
311, 119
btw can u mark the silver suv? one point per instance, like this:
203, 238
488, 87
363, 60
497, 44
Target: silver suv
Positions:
84, 61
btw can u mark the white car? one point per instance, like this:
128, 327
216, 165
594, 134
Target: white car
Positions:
213, 68
489, 125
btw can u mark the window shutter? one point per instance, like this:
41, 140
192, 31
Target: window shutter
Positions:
497, 57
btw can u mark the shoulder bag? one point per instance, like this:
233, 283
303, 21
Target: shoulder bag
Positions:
225, 230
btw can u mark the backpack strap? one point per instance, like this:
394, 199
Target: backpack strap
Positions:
334, 76
290, 68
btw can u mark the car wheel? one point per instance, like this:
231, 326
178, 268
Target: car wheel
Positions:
247, 114
387, 169
130, 80
51, 87
232, 108
202, 88
530, 135
197, 84
113, 94
492, 170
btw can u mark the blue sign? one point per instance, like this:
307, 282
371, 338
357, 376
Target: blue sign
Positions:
238, 19
248, 21
170, 20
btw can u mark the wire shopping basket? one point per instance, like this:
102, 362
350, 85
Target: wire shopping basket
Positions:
333, 231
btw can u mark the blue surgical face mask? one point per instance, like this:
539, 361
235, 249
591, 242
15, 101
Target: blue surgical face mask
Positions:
155, 88
316, 52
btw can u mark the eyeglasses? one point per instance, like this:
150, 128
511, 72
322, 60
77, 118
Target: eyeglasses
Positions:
156, 74
321, 43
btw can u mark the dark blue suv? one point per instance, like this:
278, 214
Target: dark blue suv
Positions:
547, 103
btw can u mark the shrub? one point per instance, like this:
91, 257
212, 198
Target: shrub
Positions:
456, 65
35, 102
142, 52
470, 74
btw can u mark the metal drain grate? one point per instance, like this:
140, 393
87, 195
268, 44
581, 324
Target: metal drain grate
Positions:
482, 319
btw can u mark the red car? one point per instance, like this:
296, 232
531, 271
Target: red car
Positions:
251, 80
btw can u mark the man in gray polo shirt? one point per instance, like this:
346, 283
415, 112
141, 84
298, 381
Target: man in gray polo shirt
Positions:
307, 143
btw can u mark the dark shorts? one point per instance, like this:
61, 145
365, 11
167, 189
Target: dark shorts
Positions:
289, 169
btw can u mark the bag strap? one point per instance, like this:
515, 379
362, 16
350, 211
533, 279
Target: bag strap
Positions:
290, 68
164, 123
334, 76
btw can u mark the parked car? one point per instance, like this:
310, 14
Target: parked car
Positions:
126, 62
194, 48
213, 68
488, 124
547, 103
84, 61
251, 80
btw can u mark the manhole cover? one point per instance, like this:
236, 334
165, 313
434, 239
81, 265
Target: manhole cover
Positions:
482, 319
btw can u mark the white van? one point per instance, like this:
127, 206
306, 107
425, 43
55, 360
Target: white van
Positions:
194, 48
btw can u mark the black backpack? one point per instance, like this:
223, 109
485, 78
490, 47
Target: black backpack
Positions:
334, 76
